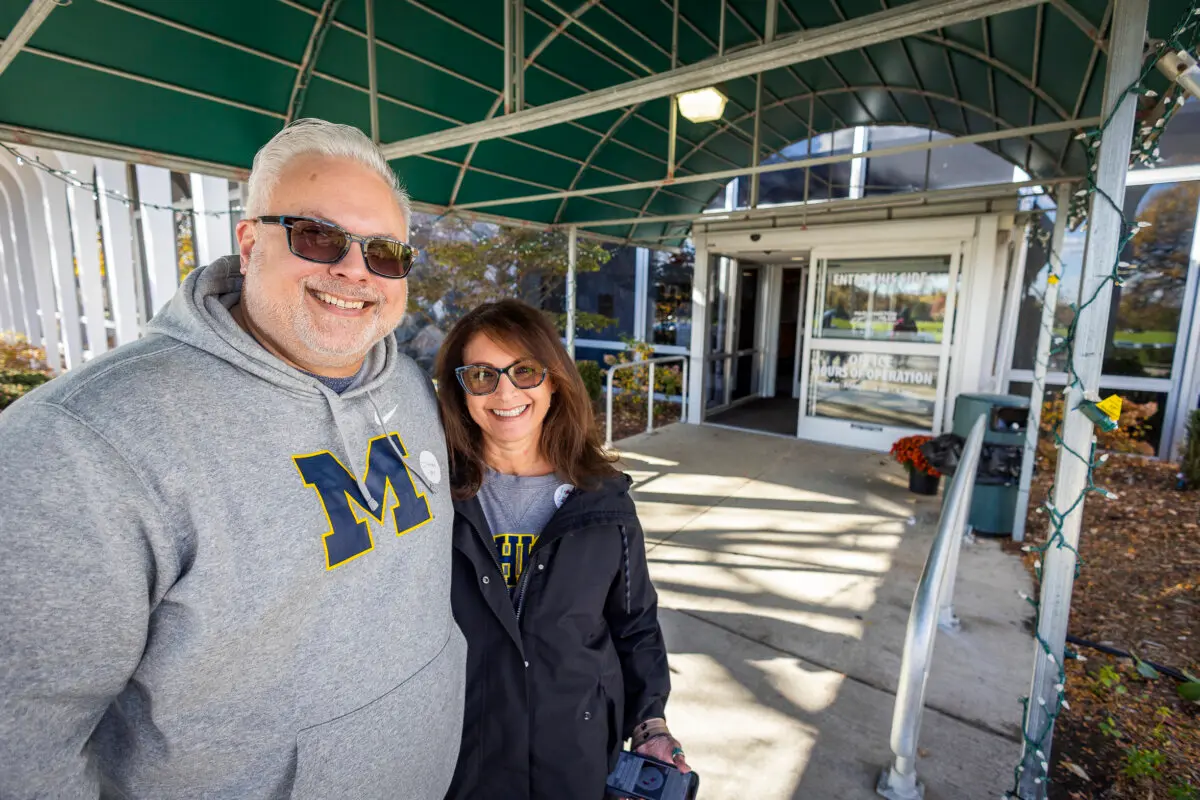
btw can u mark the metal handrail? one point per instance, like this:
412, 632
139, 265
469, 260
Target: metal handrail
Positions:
608, 421
932, 607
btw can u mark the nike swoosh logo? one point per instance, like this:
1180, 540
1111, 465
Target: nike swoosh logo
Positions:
388, 415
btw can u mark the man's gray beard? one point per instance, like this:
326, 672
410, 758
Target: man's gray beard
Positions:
276, 318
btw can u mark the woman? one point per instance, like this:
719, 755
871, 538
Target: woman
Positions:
565, 656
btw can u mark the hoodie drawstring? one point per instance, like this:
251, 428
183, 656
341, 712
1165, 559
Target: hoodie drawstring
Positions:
334, 402
379, 421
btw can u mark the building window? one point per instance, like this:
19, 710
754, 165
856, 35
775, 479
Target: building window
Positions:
1146, 311
828, 181
1152, 431
670, 297
1180, 142
1144, 328
906, 172
607, 300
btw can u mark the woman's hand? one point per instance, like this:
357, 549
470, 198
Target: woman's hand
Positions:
665, 748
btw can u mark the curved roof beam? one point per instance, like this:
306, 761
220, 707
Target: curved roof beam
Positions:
530, 60
1001, 123
485, 40
311, 53
996, 64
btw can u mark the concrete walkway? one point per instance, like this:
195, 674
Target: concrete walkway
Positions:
785, 572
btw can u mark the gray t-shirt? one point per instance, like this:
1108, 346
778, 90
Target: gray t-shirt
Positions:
517, 509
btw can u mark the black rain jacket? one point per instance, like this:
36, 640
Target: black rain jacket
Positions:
559, 673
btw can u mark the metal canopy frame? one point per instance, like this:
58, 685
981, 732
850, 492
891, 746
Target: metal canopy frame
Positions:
883, 26
26, 26
825, 71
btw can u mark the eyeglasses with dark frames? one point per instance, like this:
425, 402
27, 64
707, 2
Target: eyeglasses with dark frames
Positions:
324, 242
483, 379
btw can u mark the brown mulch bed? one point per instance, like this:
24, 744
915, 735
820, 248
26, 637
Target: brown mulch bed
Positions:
629, 419
1126, 736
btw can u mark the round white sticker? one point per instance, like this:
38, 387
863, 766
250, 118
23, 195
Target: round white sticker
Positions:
431, 467
562, 493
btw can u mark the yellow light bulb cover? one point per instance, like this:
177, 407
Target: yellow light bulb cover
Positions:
1111, 406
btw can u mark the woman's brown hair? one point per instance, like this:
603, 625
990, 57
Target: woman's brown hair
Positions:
570, 439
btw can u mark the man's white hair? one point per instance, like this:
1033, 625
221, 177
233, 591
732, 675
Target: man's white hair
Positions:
316, 137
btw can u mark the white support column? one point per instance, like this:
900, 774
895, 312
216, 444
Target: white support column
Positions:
116, 219
1002, 266
14, 303
977, 270
572, 257
858, 167
643, 318
37, 277
1012, 311
213, 236
1041, 360
158, 230
1105, 225
58, 224
86, 235
699, 344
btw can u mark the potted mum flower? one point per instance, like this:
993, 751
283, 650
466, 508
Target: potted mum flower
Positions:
922, 477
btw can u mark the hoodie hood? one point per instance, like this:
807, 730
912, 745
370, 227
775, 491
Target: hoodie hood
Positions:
199, 315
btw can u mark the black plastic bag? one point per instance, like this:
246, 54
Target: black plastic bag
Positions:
998, 463
943, 452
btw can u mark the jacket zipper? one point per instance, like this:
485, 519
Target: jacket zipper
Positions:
524, 582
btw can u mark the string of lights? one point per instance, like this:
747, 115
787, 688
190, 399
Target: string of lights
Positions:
1145, 152
72, 178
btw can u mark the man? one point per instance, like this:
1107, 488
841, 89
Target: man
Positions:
225, 548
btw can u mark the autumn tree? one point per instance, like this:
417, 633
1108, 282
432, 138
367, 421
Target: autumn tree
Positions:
464, 264
1152, 295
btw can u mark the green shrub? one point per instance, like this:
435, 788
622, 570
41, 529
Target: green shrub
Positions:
593, 378
15, 383
1141, 763
22, 367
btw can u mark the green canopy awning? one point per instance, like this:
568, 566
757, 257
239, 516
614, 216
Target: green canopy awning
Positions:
213, 80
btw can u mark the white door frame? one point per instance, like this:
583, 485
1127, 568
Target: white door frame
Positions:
869, 435
766, 340
801, 328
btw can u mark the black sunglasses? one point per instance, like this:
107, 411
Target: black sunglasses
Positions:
323, 242
481, 379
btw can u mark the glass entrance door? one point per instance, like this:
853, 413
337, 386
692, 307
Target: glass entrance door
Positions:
878, 347
744, 382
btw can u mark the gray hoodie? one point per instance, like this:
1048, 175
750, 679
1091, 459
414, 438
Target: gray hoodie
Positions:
203, 593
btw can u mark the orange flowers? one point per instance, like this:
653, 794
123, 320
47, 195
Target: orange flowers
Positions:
907, 451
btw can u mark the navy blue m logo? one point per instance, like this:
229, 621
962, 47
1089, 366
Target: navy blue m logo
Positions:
390, 484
